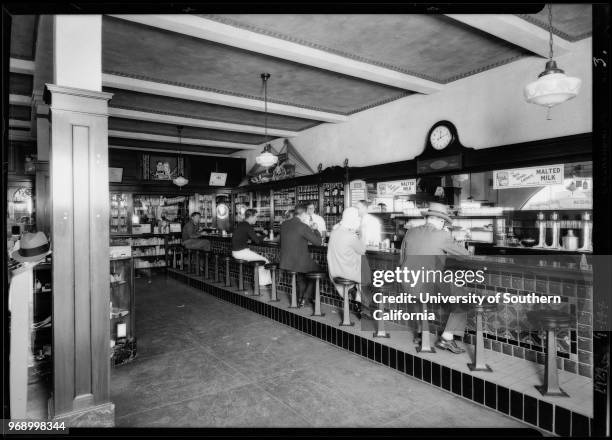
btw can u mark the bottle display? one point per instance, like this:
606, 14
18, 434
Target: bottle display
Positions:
333, 202
119, 215
284, 199
261, 202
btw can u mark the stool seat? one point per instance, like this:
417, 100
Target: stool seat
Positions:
315, 275
271, 266
238, 260
344, 281
549, 319
256, 262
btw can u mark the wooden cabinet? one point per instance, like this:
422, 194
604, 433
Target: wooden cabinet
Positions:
122, 307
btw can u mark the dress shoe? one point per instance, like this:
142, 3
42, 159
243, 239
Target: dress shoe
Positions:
301, 303
449, 345
418, 338
357, 308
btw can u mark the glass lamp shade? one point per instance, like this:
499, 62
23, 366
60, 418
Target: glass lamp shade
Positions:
180, 181
266, 159
552, 87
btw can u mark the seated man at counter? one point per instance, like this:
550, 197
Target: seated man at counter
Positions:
192, 238
295, 234
240, 245
370, 229
345, 253
315, 218
433, 239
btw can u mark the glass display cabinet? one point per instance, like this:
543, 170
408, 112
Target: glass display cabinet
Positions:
122, 305
120, 213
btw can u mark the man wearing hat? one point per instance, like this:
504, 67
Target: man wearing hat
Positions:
344, 259
420, 247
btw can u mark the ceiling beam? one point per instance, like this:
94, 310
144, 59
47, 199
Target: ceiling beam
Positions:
211, 30
515, 30
175, 140
19, 123
20, 135
163, 150
21, 66
20, 100
193, 122
155, 88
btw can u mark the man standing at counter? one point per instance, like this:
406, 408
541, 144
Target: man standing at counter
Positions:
431, 239
240, 247
295, 234
316, 219
192, 238
370, 230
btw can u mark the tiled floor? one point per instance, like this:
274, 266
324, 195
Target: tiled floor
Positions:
207, 363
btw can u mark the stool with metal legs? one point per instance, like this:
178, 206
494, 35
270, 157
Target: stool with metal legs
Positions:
550, 320
181, 252
425, 336
294, 304
240, 263
317, 276
217, 277
272, 268
346, 316
256, 265
479, 362
206, 274
227, 259
380, 326
198, 260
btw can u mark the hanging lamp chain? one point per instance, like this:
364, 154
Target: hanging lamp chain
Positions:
550, 33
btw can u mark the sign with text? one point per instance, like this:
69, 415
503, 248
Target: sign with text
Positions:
396, 188
358, 191
528, 177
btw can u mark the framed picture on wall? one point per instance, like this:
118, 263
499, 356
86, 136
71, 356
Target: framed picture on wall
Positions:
162, 167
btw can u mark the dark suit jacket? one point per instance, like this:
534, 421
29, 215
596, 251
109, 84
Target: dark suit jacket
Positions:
294, 238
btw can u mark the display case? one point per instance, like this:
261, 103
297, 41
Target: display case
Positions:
120, 213
42, 309
154, 209
205, 205
122, 305
262, 203
307, 194
242, 201
284, 199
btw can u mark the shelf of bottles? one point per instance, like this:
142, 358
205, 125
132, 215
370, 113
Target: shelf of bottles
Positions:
203, 203
152, 208
120, 213
242, 201
122, 329
307, 194
262, 203
333, 203
284, 199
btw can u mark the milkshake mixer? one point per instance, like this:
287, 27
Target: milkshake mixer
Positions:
556, 231
587, 229
542, 227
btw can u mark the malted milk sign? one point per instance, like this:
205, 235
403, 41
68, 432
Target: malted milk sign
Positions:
396, 188
526, 177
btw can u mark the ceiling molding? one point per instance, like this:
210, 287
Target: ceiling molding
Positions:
163, 89
17, 65
175, 140
164, 118
20, 99
18, 123
557, 32
213, 30
164, 150
515, 30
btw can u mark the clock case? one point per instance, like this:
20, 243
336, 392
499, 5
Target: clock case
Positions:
439, 161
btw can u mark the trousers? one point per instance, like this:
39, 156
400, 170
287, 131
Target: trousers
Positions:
246, 254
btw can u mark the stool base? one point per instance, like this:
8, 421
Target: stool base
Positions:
319, 315
382, 334
350, 324
274, 300
430, 350
544, 392
485, 367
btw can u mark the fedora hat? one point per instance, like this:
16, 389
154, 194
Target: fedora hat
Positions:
33, 246
439, 210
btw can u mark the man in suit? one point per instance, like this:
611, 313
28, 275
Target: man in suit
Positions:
425, 246
295, 234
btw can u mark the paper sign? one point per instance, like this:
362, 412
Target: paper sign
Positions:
358, 191
528, 177
396, 188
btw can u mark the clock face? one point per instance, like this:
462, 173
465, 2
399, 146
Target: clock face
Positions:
440, 137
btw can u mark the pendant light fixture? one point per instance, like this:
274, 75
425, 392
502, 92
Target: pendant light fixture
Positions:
266, 159
552, 86
180, 180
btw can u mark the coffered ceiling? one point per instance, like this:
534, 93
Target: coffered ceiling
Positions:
203, 71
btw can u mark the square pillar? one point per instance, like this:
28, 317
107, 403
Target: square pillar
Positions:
78, 169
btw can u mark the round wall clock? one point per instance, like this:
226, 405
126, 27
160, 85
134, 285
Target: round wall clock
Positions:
440, 136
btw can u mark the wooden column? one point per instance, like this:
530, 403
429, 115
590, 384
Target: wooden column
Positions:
40, 113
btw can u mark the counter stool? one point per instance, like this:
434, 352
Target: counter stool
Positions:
479, 362
380, 326
316, 276
206, 265
256, 265
180, 252
241, 264
217, 279
345, 283
227, 259
190, 255
198, 254
294, 304
551, 321
272, 268
425, 336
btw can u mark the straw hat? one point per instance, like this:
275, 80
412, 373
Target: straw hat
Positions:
439, 210
32, 247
